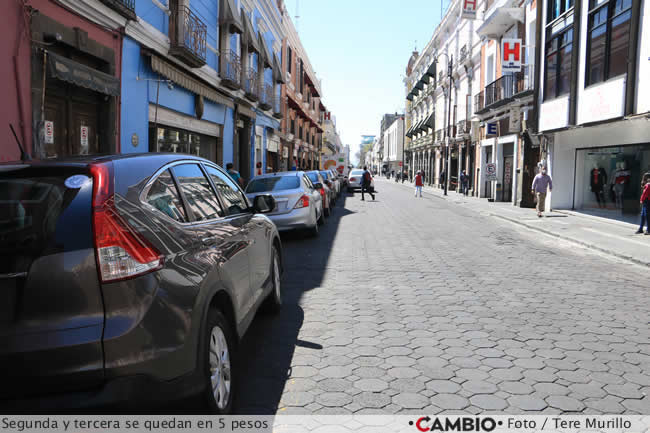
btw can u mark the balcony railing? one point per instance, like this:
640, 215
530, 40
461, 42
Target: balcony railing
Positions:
479, 102
251, 85
462, 128
439, 134
462, 56
508, 86
266, 98
126, 8
187, 34
231, 70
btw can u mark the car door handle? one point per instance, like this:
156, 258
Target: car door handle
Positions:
210, 240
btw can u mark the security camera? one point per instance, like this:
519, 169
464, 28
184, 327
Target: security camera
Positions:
170, 85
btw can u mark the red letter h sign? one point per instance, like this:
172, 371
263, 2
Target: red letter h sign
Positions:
511, 48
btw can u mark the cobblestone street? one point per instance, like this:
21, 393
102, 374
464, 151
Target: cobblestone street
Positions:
420, 305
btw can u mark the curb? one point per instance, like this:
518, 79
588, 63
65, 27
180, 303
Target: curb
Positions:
558, 236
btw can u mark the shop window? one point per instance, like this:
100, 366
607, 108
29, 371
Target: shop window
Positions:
608, 39
559, 48
180, 141
198, 193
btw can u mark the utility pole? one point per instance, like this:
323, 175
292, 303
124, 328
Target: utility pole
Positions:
448, 140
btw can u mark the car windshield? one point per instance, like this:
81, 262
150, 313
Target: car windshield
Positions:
313, 177
276, 183
356, 173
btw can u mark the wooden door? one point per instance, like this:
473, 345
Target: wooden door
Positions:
55, 112
84, 135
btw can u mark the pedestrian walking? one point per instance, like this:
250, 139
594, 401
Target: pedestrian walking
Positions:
442, 178
541, 185
234, 174
645, 204
366, 184
463, 182
418, 184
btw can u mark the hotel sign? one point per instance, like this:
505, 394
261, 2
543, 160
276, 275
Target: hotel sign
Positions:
469, 10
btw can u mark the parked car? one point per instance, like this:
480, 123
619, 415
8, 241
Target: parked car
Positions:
298, 204
128, 280
332, 182
326, 193
339, 183
354, 181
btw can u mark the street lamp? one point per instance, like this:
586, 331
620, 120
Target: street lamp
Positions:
450, 62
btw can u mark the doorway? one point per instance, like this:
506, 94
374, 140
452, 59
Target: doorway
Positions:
488, 184
508, 160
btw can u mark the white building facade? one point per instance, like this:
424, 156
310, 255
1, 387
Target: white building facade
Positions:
393, 138
594, 109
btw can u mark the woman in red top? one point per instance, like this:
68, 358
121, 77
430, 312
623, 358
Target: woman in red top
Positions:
418, 184
645, 204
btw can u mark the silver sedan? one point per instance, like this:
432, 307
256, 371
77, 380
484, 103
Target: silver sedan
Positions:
299, 204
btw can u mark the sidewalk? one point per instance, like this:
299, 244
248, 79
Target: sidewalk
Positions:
615, 238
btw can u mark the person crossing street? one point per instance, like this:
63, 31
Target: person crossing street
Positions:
366, 184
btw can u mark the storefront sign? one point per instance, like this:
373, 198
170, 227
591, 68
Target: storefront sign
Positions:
49, 132
511, 55
272, 146
469, 9
515, 119
490, 172
84, 136
491, 129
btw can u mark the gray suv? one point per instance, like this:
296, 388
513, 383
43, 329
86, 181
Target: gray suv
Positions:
128, 280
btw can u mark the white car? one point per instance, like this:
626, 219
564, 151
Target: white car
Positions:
355, 178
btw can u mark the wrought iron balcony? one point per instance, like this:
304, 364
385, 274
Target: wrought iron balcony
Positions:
479, 102
462, 128
231, 70
462, 56
266, 98
187, 34
251, 85
126, 8
439, 134
505, 88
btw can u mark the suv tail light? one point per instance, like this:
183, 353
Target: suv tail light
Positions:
302, 202
353, 179
322, 193
121, 252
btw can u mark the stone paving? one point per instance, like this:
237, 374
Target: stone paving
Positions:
408, 305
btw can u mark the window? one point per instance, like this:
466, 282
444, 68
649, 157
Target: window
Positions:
275, 183
608, 39
234, 200
557, 8
289, 60
197, 192
559, 48
164, 196
293, 126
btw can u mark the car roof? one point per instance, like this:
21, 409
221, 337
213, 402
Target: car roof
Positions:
84, 160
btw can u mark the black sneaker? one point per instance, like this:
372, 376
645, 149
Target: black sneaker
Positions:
638, 232
647, 233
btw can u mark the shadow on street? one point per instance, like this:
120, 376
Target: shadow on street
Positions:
267, 349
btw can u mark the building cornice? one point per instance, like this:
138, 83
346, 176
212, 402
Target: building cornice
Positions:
97, 12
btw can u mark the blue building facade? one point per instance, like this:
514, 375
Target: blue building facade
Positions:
203, 77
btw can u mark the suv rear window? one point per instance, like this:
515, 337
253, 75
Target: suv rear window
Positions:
356, 172
276, 183
40, 215
313, 177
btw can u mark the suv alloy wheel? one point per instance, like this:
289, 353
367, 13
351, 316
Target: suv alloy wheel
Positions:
274, 300
219, 367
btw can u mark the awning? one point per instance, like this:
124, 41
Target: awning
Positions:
81, 75
266, 56
278, 75
228, 16
498, 23
419, 85
429, 122
186, 81
246, 111
249, 33
410, 96
431, 71
409, 133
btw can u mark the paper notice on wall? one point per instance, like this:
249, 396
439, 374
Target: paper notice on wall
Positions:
49, 132
84, 139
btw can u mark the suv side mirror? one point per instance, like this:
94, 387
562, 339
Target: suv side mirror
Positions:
263, 203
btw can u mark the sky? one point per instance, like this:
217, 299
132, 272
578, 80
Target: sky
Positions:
360, 49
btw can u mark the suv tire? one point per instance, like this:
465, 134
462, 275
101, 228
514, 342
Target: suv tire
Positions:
218, 370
